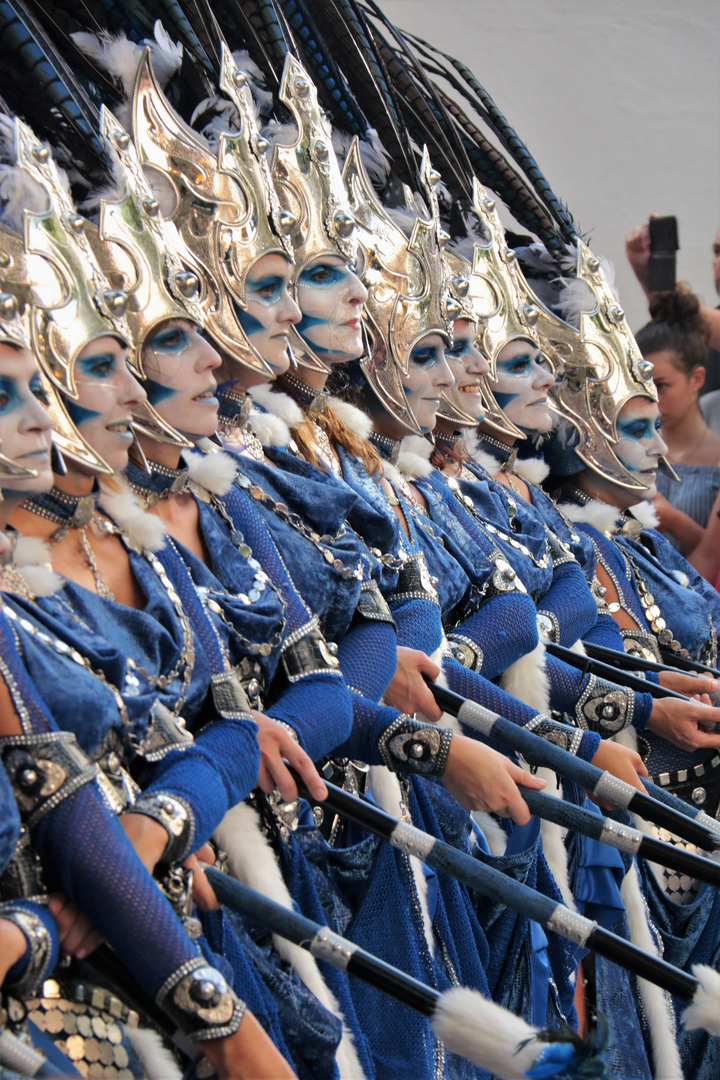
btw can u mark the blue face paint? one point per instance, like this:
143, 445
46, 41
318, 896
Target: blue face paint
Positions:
171, 339
638, 427
249, 323
77, 413
98, 367
323, 275
10, 399
156, 391
266, 290
427, 356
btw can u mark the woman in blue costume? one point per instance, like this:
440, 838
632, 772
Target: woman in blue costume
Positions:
50, 750
657, 600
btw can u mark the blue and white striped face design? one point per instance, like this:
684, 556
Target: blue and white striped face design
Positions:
640, 444
24, 423
179, 364
428, 377
331, 297
107, 393
524, 377
467, 365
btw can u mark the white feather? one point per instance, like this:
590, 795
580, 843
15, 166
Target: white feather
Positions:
485, 1033
121, 57
358, 421
33, 559
704, 1011
211, 468
374, 156
262, 98
657, 1004
142, 528
599, 515
19, 192
414, 456
487, 461
278, 134
278, 404
157, 1061
646, 514
682, 578
166, 54
253, 862
385, 789
532, 470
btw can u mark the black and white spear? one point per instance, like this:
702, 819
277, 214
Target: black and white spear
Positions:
623, 837
590, 666
636, 662
701, 989
601, 785
469, 1024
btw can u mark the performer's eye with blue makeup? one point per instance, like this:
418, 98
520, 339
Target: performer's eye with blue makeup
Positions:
639, 428
100, 366
9, 396
426, 355
172, 339
323, 274
459, 347
518, 365
266, 289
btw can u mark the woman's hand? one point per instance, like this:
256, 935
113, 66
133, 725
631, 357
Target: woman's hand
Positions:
147, 836
685, 682
277, 743
408, 692
620, 761
203, 893
77, 936
689, 725
483, 779
248, 1054
637, 249
12, 946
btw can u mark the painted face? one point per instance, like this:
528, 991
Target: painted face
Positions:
107, 392
331, 296
428, 377
521, 388
270, 310
716, 261
25, 428
677, 392
179, 364
466, 364
640, 443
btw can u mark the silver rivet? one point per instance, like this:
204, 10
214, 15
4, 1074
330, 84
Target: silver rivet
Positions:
489, 204
76, 223
443, 237
593, 264
344, 223
5, 259
321, 151
460, 285
645, 368
187, 283
239, 78
27, 777
452, 307
287, 221
8, 306
302, 87
417, 750
434, 176
122, 140
530, 314
261, 144
116, 300
41, 154
151, 206
698, 796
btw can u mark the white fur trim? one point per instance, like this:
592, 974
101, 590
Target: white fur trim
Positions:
253, 861
553, 842
599, 515
578, 647
487, 461
33, 559
277, 403
532, 470
143, 529
628, 737
646, 514
358, 421
681, 577
526, 679
704, 1012
157, 1061
211, 468
484, 1032
385, 788
414, 456
656, 1003
492, 831
270, 430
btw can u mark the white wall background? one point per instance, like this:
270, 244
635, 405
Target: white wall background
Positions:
619, 102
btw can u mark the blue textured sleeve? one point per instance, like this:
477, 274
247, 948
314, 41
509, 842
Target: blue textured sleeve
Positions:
219, 772
86, 854
370, 720
319, 708
418, 623
606, 632
9, 821
470, 684
43, 913
504, 629
368, 658
572, 603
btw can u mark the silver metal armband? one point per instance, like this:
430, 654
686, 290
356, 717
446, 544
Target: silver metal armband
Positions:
407, 746
372, 605
466, 651
562, 735
306, 652
164, 733
548, 625
40, 950
561, 552
44, 770
415, 582
200, 1001
604, 707
503, 578
175, 816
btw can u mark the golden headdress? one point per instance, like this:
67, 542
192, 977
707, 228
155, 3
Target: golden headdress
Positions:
407, 283
310, 185
217, 208
604, 371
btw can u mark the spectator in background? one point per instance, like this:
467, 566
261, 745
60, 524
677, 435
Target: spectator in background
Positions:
676, 341
637, 249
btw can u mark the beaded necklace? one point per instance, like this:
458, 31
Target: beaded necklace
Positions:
13, 579
73, 512
388, 449
313, 403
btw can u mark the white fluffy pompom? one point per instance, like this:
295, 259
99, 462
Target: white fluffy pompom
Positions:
485, 1033
704, 1011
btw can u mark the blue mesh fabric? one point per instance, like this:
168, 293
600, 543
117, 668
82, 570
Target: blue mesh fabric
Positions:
570, 600
368, 658
505, 628
320, 710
